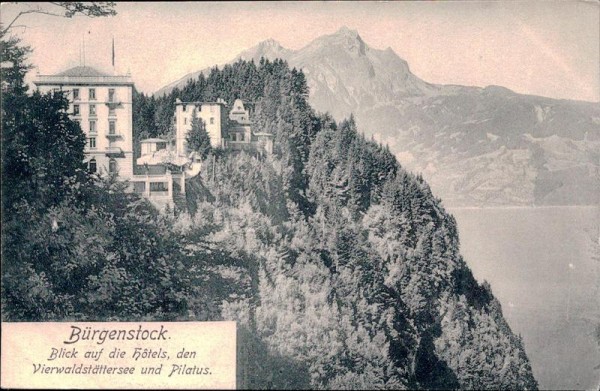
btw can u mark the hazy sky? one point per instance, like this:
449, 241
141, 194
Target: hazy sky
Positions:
544, 48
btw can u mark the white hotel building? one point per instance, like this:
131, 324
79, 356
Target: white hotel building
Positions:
102, 105
214, 116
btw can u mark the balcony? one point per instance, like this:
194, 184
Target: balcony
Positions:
113, 104
114, 136
114, 152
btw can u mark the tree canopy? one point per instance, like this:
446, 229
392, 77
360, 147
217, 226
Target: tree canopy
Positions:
74, 246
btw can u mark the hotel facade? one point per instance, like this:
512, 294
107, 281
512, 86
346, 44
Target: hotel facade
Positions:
102, 105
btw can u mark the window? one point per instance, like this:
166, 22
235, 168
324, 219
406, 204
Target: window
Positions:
78, 122
112, 166
111, 110
75, 109
92, 94
111, 94
92, 142
158, 186
241, 136
75, 93
92, 126
185, 121
112, 127
92, 109
212, 120
139, 187
92, 166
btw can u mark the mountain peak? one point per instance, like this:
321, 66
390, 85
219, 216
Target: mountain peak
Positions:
345, 38
271, 43
344, 30
349, 34
269, 49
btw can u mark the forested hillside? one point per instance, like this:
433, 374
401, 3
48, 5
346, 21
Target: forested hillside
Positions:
341, 268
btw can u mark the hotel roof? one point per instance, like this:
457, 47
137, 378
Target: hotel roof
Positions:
83, 75
82, 71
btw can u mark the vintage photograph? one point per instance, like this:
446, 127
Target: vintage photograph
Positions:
380, 195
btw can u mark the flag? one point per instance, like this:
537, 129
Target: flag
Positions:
113, 52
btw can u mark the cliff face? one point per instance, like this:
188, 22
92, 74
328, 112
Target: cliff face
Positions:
339, 265
370, 291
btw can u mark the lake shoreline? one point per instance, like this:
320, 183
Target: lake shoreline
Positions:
539, 263
521, 207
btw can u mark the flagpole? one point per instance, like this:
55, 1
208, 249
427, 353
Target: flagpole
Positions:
83, 39
113, 54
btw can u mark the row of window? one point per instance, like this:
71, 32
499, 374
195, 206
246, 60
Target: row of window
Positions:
92, 94
77, 110
93, 166
112, 126
237, 137
211, 120
92, 143
199, 108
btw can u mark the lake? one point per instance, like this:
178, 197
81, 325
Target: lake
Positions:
539, 262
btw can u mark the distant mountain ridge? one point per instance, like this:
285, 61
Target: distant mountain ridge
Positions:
475, 146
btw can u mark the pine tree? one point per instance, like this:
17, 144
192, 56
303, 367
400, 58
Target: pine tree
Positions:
197, 138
